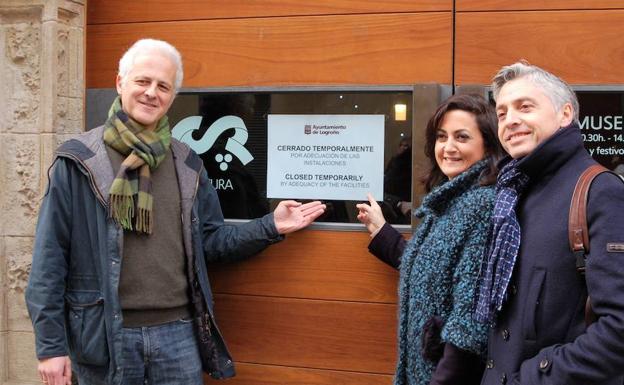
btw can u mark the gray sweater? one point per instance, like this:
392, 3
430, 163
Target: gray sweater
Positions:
153, 287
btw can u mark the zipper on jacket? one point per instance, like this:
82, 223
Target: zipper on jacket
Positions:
192, 200
206, 317
207, 322
196, 185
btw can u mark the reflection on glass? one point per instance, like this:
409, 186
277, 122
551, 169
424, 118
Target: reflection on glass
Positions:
400, 112
398, 194
241, 182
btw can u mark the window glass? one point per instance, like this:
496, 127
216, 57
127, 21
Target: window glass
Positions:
240, 174
602, 124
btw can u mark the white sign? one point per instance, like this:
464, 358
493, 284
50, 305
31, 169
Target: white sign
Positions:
337, 157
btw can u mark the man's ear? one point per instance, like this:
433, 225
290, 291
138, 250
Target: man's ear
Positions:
566, 115
118, 84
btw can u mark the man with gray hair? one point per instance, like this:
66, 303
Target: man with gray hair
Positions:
531, 293
118, 289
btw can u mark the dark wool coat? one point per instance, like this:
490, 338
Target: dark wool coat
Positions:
540, 335
439, 270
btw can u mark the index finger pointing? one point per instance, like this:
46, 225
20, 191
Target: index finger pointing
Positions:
371, 200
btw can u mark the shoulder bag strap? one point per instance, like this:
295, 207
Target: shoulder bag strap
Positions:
577, 220
577, 226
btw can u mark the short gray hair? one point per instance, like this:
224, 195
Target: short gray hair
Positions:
149, 45
555, 88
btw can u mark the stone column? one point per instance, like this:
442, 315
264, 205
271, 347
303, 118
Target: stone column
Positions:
41, 105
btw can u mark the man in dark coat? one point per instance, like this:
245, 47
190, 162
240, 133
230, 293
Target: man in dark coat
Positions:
531, 292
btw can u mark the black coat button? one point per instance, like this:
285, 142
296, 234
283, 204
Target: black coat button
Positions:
489, 364
504, 379
505, 334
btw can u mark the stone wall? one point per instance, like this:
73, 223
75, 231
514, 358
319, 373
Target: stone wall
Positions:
41, 105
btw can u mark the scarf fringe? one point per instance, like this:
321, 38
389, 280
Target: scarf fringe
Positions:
144, 221
122, 210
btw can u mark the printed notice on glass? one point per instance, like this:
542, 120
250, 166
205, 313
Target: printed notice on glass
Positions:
332, 157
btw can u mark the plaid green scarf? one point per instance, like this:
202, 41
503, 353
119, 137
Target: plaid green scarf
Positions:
130, 193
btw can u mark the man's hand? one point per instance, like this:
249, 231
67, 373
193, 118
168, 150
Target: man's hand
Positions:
291, 216
405, 207
370, 215
55, 370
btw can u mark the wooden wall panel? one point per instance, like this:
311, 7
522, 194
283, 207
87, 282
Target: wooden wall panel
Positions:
530, 5
312, 264
109, 11
318, 309
309, 333
583, 47
364, 49
248, 374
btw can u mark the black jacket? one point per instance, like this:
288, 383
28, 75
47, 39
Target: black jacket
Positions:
540, 336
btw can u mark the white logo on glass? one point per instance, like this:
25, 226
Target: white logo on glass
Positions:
235, 145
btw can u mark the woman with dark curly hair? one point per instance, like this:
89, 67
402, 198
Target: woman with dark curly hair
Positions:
439, 342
